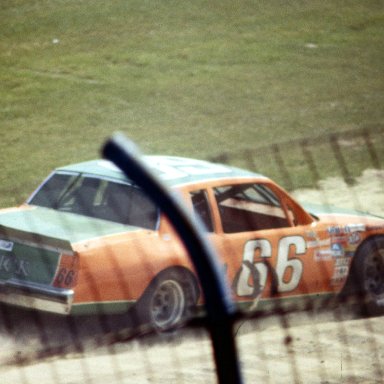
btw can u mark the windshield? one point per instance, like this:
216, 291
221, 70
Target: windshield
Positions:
98, 198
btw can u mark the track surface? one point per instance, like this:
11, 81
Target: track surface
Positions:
327, 347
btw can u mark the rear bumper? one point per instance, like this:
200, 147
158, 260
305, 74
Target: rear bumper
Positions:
36, 296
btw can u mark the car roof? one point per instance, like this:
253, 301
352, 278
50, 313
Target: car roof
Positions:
172, 170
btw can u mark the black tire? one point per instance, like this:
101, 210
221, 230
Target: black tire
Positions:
169, 300
368, 275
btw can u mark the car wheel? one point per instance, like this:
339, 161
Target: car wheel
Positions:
169, 301
368, 273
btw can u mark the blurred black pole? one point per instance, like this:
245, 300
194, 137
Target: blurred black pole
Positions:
220, 308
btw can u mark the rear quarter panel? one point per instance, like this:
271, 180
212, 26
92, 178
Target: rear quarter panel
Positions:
120, 267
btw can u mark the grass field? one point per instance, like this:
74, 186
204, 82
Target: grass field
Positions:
191, 78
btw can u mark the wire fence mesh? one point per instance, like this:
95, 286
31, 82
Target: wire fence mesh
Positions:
300, 341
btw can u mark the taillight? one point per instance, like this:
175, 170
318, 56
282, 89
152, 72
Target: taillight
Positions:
66, 274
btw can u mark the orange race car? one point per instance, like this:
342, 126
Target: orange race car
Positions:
88, 241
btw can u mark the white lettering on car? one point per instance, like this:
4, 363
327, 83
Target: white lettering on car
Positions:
288, 270
284, 263
16, 266
170, 169
242, 285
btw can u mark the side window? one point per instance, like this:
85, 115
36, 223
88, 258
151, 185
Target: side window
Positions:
249, 207
128, 204
201, 208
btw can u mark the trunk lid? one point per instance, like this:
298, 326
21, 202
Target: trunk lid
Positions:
33, 239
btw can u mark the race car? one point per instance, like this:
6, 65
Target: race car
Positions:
90, 241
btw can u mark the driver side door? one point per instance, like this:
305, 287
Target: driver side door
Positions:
266, 251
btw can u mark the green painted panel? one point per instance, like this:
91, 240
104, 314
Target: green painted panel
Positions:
108, 308
28, 263
44, 225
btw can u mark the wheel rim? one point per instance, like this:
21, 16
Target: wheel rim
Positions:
167, 304
374, 273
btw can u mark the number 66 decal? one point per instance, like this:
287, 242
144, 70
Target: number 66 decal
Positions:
283, 264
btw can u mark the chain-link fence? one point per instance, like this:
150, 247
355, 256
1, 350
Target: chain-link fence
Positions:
288, 323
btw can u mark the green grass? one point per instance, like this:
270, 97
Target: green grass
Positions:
191, 78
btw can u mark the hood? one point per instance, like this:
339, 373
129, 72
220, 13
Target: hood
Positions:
326, 209
325, 212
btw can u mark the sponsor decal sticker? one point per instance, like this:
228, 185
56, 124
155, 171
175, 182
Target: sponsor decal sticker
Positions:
337, 250
341, 269
342, 262
323, 255
354, 228
354, 238
311, 234
6, 245
340, 272
349, 228
339, 239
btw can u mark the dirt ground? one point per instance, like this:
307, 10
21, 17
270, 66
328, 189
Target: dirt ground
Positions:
326, 347
366, 195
